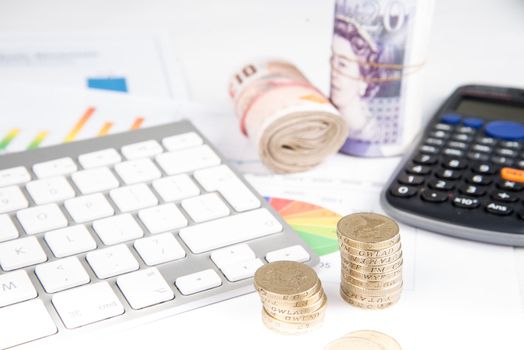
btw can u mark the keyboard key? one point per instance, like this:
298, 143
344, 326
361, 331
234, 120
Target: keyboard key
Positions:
62, 274
95, 180
484, 168
205, 207
487, 141
453, 152
403, 191
451, 119
17, 328
475, 123
410, 180
439, 134
112, 261
50, 190
294, 253
7, 229
159, 249
418, 170
448, 174
242, 270
187, 160
57, 167
230, 230
425, 159
434, 196
479, 180
198, 282
453, 163
105, 157
16, 287
71, 240
504, 196
117, 229
502, 160
428, 149
510, 144
133, 197
461, 137
20, 253
498, 209
41, 218
135, 171
472, 190
178, 142
232, 255
11, 198
443, 127
84, 305
142, 149
465, 130
510, 186
457, 145
145, 288
14, 176
89, 207
511, 174
441, 185
173, 188
163, 218
478, 156
466, 202
506, 152
224, 180
434, 142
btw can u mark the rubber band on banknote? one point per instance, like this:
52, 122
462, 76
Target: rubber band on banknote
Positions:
243, 128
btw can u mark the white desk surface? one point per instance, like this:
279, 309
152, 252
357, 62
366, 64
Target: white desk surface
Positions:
472, 42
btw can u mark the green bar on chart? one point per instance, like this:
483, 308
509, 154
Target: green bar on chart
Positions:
8, 138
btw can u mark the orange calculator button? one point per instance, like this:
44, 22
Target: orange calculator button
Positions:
511, 174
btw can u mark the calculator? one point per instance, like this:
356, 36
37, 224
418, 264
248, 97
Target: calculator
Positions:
464, 176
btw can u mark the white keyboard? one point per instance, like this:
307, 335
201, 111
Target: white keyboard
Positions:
103, 231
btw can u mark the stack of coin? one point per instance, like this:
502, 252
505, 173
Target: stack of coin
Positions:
364, 340
292, 297
371, 257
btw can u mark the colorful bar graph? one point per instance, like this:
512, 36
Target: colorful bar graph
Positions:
79, 125
137, 123
8, 138
38, 140
105, 129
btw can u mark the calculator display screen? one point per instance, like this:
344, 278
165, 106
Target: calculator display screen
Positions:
491, 110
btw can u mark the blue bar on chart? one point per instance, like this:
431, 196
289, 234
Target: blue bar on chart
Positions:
118, 84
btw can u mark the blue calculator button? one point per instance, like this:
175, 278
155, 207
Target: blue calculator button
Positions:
504, 130
475, 123
451, 119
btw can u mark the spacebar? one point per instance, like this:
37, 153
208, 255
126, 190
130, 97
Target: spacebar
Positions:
230, 230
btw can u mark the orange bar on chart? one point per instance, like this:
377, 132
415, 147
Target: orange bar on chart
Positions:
79, 124
137, 123
105, 129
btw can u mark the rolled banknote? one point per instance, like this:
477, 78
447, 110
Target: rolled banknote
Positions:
379, 47
291, 123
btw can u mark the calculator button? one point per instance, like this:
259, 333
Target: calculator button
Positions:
448, 174
428, 149
425, 159
521, 214
434, 142
505, 130
520, 164
465, 130
457, 144
441, 185
451, 119
443, 127
461, 137
510, 144
498, 209
479, 179
484, 168
465, 202
475, 123
511, 174
478, 156
453, 163
487, 141
504, 196
472, 190
434, 196
502, 160
419, 170
410, 180
453, 152
506, 152
403, 191
481, 148
439, 134
509, 185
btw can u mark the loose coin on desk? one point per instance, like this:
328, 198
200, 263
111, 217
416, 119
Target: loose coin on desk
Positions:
364, 340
